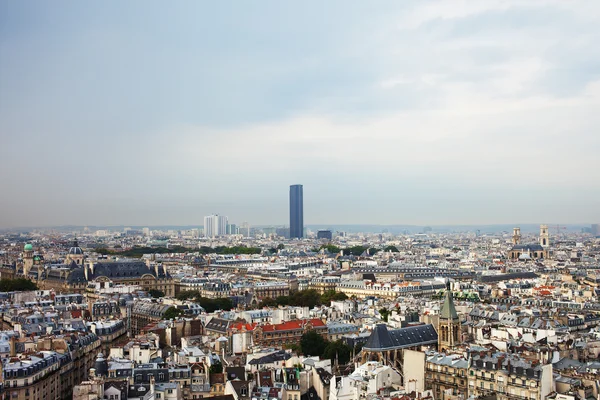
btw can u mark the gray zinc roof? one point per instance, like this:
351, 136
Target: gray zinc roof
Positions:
383, 339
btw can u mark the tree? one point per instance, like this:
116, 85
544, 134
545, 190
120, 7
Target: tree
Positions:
338, 349
312, 344
385, 313
212, 305
358, 347
332, 295
305, 298
295, 347
282, 300
331, 248
373, 251
393, 249
188, 295
156, 293
17, 285
172, 313
280, 246
267, 302
216, 368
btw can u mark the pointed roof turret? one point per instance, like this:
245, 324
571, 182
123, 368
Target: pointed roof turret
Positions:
448, 311
380, 339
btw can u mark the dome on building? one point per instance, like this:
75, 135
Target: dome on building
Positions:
75, 249
101, 365
28, 247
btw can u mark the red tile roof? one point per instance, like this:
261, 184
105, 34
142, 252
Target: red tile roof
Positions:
293, 325
241, 325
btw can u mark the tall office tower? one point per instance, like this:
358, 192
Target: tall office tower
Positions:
296, 212
215, 225
232, 229
324, 234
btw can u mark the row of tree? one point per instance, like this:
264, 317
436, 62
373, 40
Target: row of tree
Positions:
17, 285
139, 251
304, 298
210, 305
313, 344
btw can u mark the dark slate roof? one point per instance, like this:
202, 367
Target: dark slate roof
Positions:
281, 355
218, 325
235, 372
138, 390
238, 386
121, 386
529, 247
125, 270
311, 394
116, 270
380, 338
383, 339
506, 277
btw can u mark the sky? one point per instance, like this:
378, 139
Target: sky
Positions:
388, 112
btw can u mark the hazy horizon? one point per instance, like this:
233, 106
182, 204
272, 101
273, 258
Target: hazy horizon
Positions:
418, 113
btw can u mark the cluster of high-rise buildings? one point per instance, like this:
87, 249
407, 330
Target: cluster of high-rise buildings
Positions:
218, 225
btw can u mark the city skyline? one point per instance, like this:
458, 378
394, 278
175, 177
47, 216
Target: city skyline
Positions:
404, 113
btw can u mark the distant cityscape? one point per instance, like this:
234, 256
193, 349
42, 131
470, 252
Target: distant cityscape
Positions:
237, 312
294, 200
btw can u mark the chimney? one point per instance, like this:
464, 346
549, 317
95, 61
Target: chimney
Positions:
13, 350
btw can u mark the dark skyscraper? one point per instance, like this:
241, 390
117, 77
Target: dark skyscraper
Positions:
296, 212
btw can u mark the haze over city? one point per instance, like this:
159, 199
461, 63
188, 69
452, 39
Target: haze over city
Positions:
399, 112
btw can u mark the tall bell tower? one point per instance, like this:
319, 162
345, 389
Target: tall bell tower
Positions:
27, 259
516, 238
544, 236
449, 323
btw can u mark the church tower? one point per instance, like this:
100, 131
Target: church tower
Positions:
516, 238
27, 259
448, 324
544, 236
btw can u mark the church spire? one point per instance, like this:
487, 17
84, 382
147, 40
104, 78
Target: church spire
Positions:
449, 323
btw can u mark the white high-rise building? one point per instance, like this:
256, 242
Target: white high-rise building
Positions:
215, 225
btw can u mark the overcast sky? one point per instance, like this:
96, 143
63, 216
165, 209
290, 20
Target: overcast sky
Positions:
389, 112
